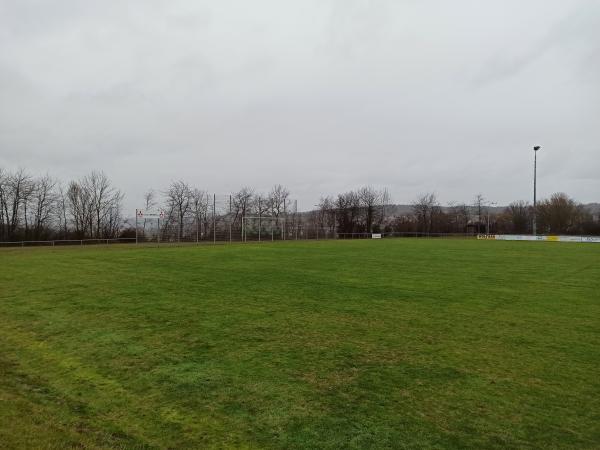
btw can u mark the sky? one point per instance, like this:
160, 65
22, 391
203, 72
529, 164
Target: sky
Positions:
321, 96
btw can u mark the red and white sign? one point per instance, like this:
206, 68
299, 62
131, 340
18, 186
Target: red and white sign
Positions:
140, 214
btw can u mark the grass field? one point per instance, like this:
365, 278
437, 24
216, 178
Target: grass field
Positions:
354, 344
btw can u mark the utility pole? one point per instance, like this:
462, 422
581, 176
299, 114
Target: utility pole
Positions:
535, 150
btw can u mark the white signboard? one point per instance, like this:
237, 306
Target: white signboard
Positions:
376, 235
590, 239
141, 214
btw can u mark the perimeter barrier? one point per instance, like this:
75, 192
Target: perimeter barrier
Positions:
67, 242
294, 234
530, 237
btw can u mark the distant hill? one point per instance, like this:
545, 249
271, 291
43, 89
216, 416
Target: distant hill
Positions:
594, 208
399, 210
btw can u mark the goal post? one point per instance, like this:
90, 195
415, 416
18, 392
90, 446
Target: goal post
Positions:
262, 228
145, 218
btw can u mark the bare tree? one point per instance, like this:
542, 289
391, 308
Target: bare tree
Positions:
27, 192
560, 214
425, 209
95, 206
459, 216
15, 190
101, 196
149, 204
179, 197
43, 200
61, 208
242, 202
370, 199
3, 202
150, 201
199, 208
80, 208
519, 215
327, 214
277, 201
263, 205
348, 212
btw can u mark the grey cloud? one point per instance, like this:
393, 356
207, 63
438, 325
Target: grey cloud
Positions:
577, 29
322, 96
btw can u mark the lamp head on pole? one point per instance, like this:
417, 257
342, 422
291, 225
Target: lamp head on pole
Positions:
536, 148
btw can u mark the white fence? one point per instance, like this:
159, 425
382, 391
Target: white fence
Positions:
527, 237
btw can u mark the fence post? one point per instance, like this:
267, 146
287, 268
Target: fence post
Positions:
136, 226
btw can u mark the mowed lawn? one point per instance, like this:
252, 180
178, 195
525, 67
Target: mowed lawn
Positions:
348, 344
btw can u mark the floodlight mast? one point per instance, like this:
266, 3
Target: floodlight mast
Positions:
535, 150
488, 216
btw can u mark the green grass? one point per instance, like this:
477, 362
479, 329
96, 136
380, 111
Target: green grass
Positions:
353, 344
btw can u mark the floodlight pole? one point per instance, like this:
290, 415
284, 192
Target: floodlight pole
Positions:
535, 150
488, 217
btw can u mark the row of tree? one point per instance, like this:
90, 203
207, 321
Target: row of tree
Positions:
39, 208
187, 209
359, 211
558, 214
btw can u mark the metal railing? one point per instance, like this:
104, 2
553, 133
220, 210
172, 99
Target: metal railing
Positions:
67, 242
294, 235
407, 234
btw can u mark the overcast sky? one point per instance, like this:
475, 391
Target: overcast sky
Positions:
321, 96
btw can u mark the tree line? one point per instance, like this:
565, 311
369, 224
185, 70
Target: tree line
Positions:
187, 210
42, 207
558, 214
